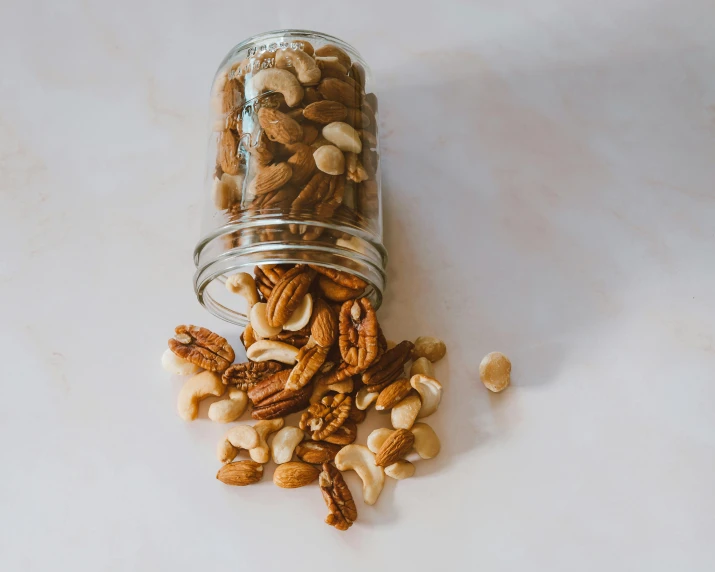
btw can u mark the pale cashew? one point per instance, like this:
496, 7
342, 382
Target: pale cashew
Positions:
176, 365
361, 460
301, 315
400, 470
259, 321
284, 443
261, 453
305, 66
321, 389
431, 348
495, 372
377, 438
430, 391
330, 160
230, 409
244, 285
403, 414
282, 81
365, 398
422, 366
343, 136
427, 443
227, 190
235, 439
195, 389
265, 350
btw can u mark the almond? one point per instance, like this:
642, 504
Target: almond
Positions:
295, 474
279, 127
325, 111
270, 178
228, 153
395, 447
302, 163
393, 394
337, 90
240, 473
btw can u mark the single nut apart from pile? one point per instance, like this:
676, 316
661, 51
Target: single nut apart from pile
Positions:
495, 372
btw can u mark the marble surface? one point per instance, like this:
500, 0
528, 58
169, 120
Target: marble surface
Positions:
549, 173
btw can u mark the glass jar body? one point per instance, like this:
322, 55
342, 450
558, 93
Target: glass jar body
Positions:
293, 173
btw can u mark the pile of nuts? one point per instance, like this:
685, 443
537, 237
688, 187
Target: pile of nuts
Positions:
325, 359
296, 135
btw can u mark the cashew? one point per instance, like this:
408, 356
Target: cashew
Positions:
400, 470
260, 453
227, 190
422, 366
364, 398
429, 347
321, 389
377, 438
329, 159
244, 285
176, 365
430, 391
427, 443
343, 136
282, 81
195, 389
284, 444
301, 315
230, 409
403, 414
259, 321
236, 438
305, 66
361, 460
495, 372
265, 350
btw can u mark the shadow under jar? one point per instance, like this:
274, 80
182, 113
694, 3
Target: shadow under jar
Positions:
293, 171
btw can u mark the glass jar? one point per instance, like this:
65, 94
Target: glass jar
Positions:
293, 173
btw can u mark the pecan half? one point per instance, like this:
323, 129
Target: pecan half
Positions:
271, 399
296, 339
245, 375
310, 360
324, 324
202, 347
287, 294
267, 276
345, 435
335, 292
337, 497
388, 368
316, 452
358, 333
343, 278
326, 417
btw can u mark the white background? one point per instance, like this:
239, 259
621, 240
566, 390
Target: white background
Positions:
549, 185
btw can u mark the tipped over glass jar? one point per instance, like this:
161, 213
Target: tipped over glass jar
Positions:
293, 173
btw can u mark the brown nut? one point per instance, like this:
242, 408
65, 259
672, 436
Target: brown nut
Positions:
358, 333
393, 394
240, 473
337, 497
202, 347
342, 278
325, 111
271, 399
288, 293
324, 324
316, 452
336, 292
310, 360
431, 348
396, 446
279, 127
329, 50
324, 418
389, 367
246, 375
295, 474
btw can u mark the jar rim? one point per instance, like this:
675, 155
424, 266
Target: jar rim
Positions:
292, 32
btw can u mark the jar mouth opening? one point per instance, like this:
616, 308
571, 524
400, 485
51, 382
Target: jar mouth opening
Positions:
294, 33
215, 264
